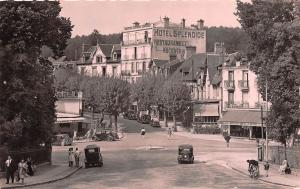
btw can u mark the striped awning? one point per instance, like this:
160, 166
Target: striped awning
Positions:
241, 117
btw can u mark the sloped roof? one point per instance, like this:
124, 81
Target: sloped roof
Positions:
191, 65
213, 62
106, 49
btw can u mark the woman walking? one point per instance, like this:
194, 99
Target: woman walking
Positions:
22, 170
70, 157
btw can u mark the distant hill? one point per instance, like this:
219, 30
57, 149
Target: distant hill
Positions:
233, 38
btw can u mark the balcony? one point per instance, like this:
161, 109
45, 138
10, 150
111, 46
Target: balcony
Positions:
229, 84
244, 85
136, 42
239, 105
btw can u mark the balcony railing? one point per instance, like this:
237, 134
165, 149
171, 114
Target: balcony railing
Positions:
229, 84
244, 84
237, 105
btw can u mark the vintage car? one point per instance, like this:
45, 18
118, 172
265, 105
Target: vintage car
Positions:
93, 156
131, 115
144, 119
185, 154
155, 123
62, 140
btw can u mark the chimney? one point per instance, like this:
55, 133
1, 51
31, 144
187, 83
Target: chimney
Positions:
166, 22
200, 24
183, 23
136, 24
189, 51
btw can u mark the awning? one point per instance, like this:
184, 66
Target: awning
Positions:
241, 117
206, 110
68, 118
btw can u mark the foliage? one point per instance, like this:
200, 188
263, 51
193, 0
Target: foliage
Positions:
274, 32
146, 90
74, 48
235, 39
67, 79
27, 93
175, 96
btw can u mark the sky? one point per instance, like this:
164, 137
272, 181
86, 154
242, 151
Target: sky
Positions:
111, 16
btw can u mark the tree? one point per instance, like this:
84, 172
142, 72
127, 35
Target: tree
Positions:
273, 28
146, 90
175, 97
27, 92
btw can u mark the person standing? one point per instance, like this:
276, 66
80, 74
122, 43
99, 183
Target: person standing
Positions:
22, 170
143, 132
10, 170
29, 165
170, 132
77, 157
70, 157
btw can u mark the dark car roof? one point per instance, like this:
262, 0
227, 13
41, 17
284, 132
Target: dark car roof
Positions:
185, 146
91, 146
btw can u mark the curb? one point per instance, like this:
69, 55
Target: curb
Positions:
45, 182
263, 180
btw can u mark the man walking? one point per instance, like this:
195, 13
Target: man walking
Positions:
10, 169
143, 132
169, 132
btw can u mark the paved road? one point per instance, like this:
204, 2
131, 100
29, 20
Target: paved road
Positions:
131, 164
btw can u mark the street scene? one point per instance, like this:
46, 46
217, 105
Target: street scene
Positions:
150, 94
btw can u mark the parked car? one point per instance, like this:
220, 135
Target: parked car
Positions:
105, 135
144, 119
62, 140
132, 115
155, 123
93, 156
185, 154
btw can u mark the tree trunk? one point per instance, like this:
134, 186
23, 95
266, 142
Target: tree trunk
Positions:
285, 156
110, 120
165, 119
116, 123
174, 121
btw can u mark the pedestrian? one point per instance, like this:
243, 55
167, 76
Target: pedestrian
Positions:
170, 132
143, 132
283, 167
22, 168
70, 157
77, 157
267, 167
10, 169
29, 165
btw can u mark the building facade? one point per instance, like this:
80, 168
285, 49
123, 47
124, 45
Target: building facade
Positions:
162, 40
242, 104
100, 60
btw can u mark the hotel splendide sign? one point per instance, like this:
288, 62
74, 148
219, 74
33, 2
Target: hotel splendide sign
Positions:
174, 40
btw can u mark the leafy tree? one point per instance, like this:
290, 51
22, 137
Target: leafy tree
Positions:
146, 90
273, 28
27, 92
175, 97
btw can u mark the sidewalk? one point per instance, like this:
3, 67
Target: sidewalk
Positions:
45, 174
238, 162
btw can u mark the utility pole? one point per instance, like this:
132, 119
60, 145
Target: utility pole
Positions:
267, 142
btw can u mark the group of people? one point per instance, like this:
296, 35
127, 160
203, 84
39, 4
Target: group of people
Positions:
74, 156
18, 171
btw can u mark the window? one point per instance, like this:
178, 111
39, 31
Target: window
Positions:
99, 59
115, 56
230, 76
94, 71
82, 70
230, 97
132, 67
146, 36
137, 66
244, 97
144, 66
135, 53
85, 58
103, 71
114, 71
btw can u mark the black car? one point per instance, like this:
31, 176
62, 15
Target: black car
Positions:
144, 119
185, 154
93, 156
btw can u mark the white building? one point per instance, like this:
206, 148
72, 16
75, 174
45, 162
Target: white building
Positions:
162, 40
241, 101
101, 60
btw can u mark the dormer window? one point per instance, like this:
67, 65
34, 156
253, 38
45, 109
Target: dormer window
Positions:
85, 58
99, 59
115, 56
